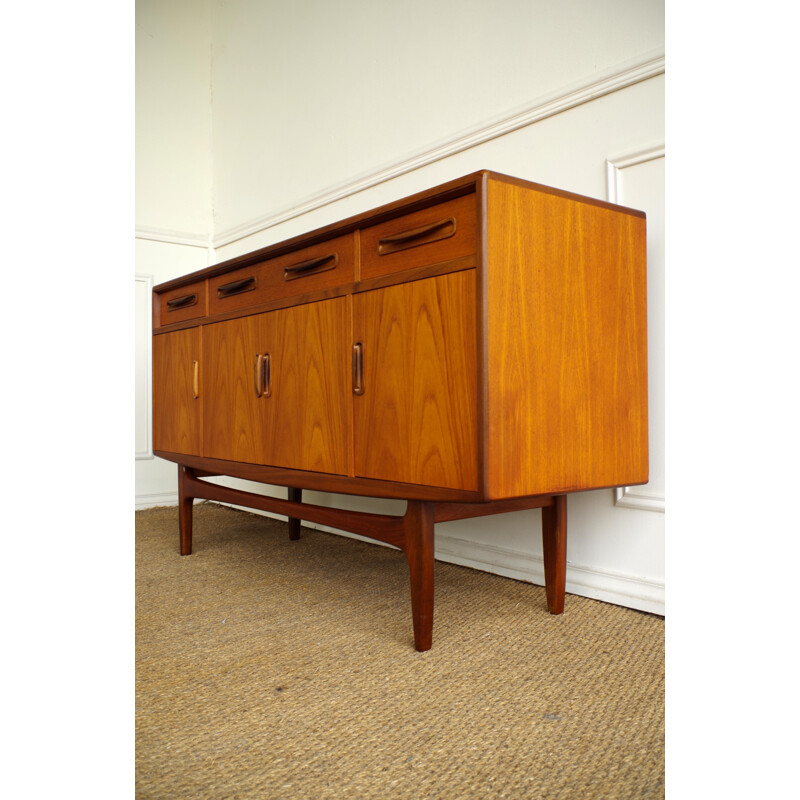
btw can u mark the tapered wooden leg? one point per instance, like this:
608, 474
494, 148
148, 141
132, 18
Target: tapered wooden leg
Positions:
184, 512
554, 543
296, 496
418, 529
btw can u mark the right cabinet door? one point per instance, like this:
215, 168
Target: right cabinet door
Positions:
416, 420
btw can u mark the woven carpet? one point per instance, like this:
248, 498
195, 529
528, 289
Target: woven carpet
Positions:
274, 669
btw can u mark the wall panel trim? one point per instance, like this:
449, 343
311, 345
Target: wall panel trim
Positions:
147, 281
628, 159
632, 496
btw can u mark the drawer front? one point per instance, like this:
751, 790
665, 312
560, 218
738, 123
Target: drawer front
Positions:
321, 266
188, 302
440, 233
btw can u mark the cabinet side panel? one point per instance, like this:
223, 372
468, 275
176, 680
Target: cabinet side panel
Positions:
567, 355
177, 413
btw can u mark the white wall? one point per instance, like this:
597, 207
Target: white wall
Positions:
322, 110
173, 186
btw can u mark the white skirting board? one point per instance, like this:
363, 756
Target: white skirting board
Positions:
630, 591
156, 499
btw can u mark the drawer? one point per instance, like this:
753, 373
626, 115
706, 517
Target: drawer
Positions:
320, 266
188, 302
440, 233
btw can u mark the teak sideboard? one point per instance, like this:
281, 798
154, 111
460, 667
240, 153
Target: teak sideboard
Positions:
474, 349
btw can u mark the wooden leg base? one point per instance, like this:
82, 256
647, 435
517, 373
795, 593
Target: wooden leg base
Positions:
185, 501
412, 533
418, 547
554, 546
295, 496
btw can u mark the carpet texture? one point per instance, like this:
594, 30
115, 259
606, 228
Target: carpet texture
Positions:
273, 669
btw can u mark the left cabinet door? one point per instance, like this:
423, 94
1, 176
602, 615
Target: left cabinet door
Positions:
236, 382
177, 392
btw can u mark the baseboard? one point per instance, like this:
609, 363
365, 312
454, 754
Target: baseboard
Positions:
618, 588
156, 499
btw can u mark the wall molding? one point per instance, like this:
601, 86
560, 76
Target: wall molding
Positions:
600, 84
174, 237
614, 165
618, 588
632, 496
147, 281
153, 499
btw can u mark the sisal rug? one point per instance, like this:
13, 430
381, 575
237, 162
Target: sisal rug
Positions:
273, 669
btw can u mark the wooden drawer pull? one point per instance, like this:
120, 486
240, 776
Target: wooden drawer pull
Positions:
195, 379
237, 287
443, 229
311, 267
358, 368
182, 302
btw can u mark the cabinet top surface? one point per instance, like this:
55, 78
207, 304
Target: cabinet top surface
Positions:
442, 192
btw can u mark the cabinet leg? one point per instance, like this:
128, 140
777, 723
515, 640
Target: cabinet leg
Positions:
554, 545
418, 529
296, 496
184, 512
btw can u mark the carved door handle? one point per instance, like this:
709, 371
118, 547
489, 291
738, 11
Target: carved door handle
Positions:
358, 368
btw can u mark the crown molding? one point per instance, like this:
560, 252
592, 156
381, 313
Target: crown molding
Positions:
603, 83
174, 237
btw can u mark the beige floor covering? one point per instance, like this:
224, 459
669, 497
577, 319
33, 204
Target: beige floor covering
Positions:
273, 669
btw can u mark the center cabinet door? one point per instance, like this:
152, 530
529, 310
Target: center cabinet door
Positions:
278, 388
416, 420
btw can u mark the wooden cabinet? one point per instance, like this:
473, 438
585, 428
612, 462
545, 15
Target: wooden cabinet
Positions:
476, 348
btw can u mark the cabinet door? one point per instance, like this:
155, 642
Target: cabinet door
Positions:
177, 394
235, 416
416, 421
309, 409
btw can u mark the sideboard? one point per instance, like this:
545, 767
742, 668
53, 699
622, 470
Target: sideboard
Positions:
473, 349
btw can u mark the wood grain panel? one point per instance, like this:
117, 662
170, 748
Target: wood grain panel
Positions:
459, 240
177, 413
417, 419
567, 349
234, 417
309, 420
